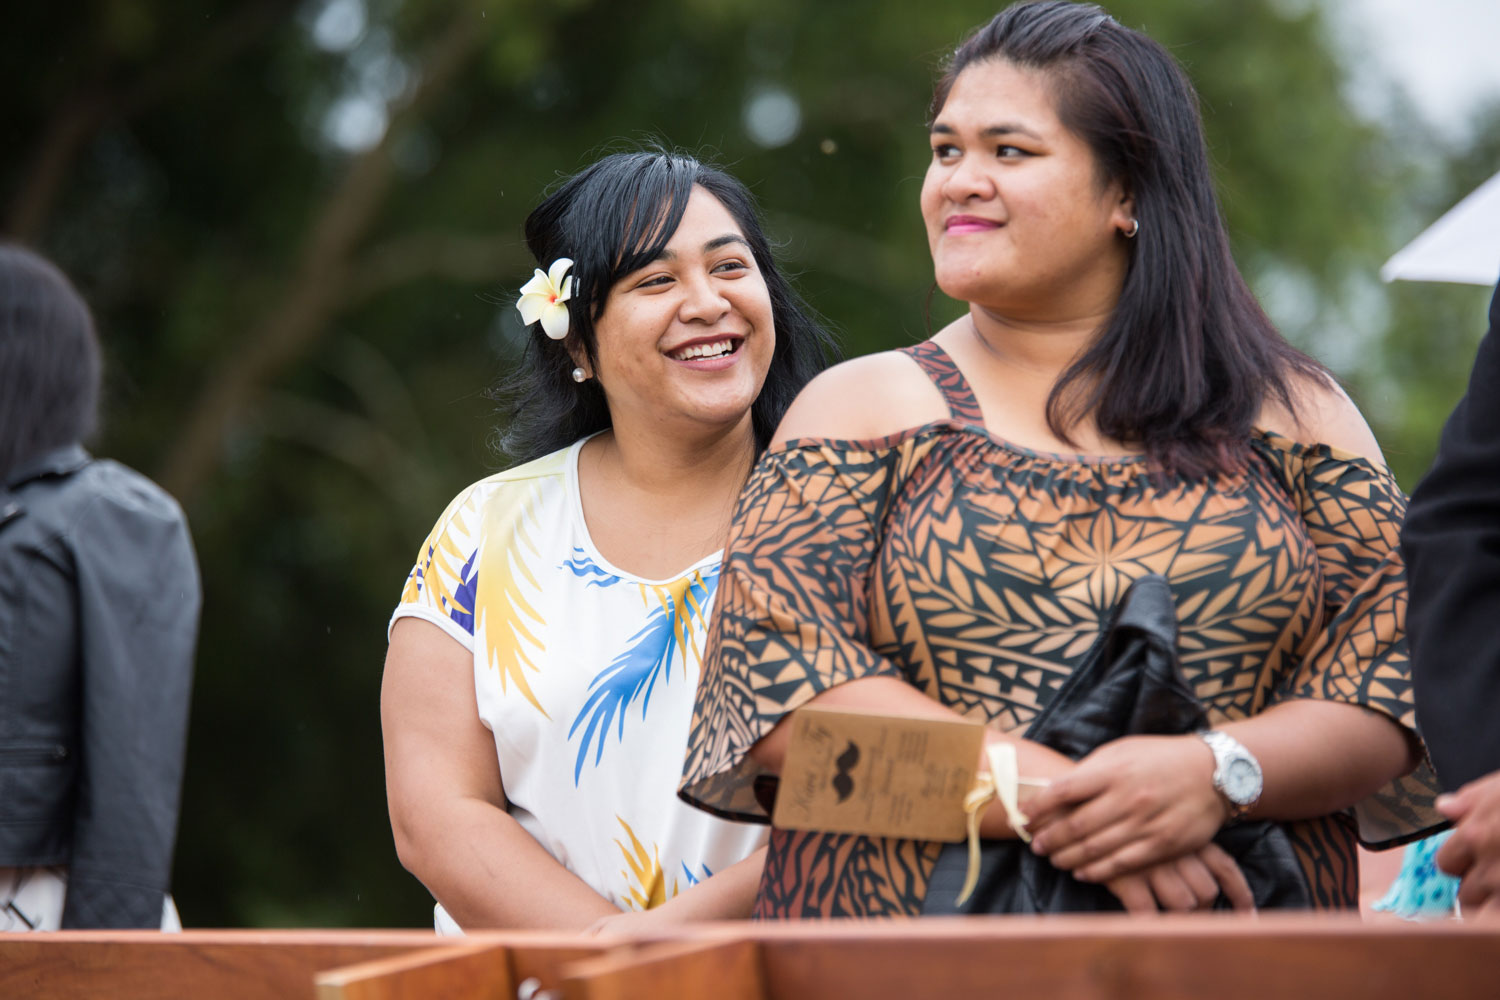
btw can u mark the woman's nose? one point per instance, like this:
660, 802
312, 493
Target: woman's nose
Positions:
702, 300
967, 179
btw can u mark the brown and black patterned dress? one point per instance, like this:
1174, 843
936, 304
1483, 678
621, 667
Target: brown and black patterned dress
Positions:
980, 572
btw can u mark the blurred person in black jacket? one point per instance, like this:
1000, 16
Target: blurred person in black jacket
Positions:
1451, 541
99, 600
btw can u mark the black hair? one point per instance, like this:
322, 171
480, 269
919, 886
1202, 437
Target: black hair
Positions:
49, 360
613, 218
1188, 356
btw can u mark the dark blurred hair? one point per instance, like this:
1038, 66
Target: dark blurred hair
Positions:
1188, 356
613, 218
49, 359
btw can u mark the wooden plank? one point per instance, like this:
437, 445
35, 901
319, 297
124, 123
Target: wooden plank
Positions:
485, 965
724, 970
454, 972
547, 961
224, 965
1163, 959
1166, 958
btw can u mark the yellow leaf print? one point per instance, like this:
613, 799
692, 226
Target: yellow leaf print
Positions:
506, 615
642, 874
440, 562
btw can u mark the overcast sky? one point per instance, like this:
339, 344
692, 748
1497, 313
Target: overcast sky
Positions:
1445, 52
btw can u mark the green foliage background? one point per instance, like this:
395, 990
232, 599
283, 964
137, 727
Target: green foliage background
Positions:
298, 335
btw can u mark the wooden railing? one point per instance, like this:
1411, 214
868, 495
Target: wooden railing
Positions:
1168, 958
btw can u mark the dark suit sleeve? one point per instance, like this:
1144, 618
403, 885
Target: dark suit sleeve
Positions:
1451, 541
138, 603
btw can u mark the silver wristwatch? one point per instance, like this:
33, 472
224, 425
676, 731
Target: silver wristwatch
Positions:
1237, 774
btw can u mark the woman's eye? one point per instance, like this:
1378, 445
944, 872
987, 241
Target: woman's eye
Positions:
1010, 152
944, 150
730, 266
655, 282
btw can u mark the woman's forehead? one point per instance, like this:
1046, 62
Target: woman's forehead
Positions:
996, 92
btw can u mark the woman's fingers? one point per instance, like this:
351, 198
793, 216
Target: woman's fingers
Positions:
1226, 872
1081, 785
1152, 848
1195, 872
1097, 831
1134, 892
1172, 890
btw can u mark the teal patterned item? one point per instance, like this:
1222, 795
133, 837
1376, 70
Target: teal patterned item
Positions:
1420, 891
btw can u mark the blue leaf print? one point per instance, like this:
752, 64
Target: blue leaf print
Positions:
692, 879
585, 568
648, 656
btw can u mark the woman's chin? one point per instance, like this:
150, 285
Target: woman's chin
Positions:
717, 416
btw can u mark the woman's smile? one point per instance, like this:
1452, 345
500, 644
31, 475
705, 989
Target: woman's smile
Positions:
710, 353
958, 224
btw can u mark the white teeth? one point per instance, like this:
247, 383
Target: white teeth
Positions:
704, 350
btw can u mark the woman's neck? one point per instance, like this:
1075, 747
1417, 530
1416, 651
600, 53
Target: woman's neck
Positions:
657, 502
669, 464
1042, 348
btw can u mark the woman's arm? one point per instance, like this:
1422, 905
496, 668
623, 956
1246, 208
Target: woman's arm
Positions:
895, 697
1187, 879
1144, 799
447, 803
728, 895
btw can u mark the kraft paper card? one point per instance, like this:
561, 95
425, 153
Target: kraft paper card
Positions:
880, 775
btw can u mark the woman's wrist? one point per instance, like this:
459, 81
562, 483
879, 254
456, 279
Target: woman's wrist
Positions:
1035, 762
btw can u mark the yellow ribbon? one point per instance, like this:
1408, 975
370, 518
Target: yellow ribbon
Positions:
1002, 781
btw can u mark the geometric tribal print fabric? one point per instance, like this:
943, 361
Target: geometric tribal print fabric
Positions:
980, 572
585, 675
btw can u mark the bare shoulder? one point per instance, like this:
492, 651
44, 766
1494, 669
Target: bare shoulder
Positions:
867, 397
1324, 414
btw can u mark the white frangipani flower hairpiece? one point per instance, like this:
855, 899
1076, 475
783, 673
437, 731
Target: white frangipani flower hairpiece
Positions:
545, 298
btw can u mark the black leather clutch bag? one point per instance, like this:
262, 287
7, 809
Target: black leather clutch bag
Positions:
1129, 683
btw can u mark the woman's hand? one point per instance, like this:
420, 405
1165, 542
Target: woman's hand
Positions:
1131, 804
690, 906
632, 923
1191, 882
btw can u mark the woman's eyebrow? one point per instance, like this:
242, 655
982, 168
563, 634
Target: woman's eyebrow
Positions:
989, 132
709, 247
725, 240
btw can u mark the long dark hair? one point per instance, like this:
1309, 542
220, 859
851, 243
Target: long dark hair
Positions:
49, 360
1188, 356
613, 218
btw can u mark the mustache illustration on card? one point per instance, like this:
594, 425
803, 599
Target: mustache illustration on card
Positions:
843, 784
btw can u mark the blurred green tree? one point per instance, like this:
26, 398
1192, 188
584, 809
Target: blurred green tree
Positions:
299, 224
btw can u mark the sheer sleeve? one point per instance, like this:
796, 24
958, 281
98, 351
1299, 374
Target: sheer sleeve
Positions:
791, 615
1353, 512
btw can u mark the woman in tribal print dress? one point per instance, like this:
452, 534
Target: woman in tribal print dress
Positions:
544, 655
941, 531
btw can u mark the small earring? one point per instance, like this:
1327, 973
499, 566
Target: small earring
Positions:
579, 375
1135, 227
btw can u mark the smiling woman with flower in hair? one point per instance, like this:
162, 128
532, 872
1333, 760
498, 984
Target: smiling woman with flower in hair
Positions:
545, 654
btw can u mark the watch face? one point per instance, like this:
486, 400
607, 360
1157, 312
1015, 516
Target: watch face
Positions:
1242, 781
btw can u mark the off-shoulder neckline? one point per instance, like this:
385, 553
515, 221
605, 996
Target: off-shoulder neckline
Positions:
1128, 461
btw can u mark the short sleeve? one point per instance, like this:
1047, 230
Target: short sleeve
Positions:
1353, 512
442, 587
791, 615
